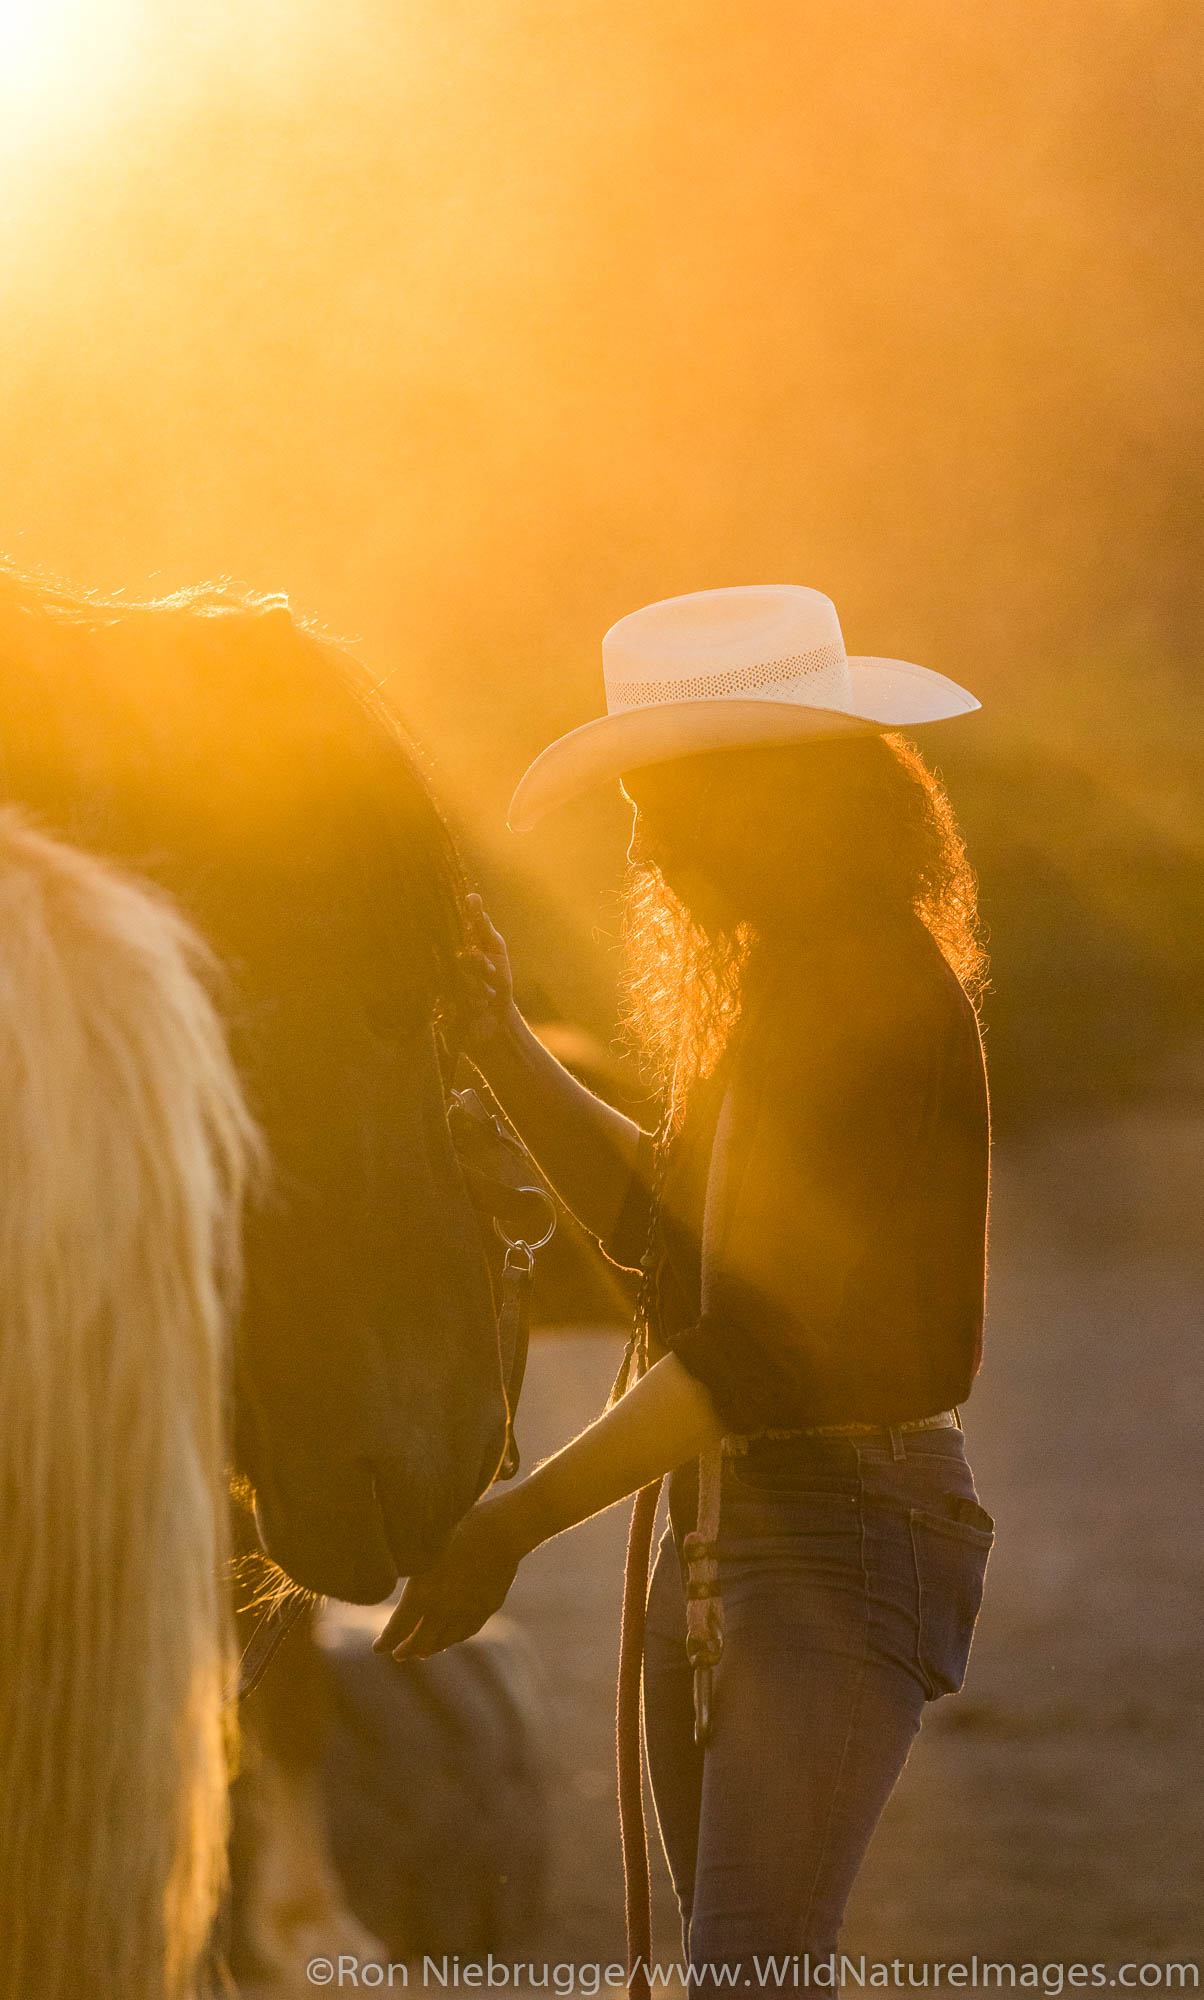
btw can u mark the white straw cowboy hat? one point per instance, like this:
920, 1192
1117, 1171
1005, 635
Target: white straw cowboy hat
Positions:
764, 663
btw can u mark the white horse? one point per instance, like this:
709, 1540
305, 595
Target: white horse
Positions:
125, 1154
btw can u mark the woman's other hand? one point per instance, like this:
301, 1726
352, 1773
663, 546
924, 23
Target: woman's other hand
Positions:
587, 1149
488, 1004
466, 1584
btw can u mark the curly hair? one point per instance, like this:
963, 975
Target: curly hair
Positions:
767, 848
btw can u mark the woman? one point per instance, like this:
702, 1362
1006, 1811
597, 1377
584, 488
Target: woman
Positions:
811, 1226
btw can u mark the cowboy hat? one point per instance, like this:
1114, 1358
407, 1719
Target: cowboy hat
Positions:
763, 663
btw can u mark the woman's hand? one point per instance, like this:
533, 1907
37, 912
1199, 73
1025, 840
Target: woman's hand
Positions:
488, 1002
465, 1585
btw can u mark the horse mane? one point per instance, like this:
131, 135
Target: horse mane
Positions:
218, 714
125, 1153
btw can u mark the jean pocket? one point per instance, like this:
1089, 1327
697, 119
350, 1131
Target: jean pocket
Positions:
950, 1550
768, 1523
792, 1487
780, 1470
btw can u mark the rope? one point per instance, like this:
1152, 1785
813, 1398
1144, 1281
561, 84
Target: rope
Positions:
704, 1605
700, 1549
633, 1829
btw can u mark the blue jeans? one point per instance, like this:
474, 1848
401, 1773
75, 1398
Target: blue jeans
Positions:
852, 1573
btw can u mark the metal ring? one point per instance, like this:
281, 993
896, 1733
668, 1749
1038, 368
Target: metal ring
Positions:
524, 1242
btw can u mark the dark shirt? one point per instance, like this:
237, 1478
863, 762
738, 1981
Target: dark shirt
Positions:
844, 1273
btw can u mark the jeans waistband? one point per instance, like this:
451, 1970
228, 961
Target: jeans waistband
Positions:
735, 1445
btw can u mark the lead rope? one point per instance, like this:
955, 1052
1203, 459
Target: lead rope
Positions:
704, 1606
633, 1829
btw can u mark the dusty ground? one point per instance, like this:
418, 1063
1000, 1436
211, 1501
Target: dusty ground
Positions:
1055, 1810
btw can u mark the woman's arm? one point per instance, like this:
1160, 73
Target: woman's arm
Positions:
586, 1148
667, 1418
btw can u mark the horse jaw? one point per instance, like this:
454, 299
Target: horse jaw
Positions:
353, 1537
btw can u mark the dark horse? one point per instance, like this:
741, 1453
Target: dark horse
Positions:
217, 745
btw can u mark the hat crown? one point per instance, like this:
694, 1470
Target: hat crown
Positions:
758, 664
761, 642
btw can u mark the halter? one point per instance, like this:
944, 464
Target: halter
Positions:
503, 1182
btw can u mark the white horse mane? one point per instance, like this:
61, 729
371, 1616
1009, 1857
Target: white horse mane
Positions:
125, 1153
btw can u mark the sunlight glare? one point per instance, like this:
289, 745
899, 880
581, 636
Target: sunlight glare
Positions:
56, 58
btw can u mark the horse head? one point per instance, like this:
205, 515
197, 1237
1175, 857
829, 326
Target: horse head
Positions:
215, 744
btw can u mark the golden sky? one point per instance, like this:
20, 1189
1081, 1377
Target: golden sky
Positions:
474, 325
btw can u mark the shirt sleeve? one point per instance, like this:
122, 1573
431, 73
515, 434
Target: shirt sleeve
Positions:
627, 1241
823, 1125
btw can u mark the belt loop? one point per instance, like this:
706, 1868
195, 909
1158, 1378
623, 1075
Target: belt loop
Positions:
896, 1442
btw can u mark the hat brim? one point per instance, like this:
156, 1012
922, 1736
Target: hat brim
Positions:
887, 694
